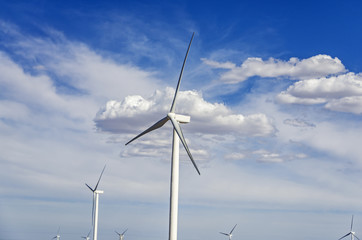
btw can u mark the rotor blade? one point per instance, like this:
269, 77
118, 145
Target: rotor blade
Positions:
118, 233
233, 229
355, 236
124, 231
181, 136
153, 127
89, 233
344, 236
179, 79
224, 233
100, 178
90, 187
352, 223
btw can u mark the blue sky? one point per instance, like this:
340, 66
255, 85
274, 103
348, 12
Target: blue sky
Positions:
274, 91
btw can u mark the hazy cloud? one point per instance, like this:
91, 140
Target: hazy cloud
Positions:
297, 122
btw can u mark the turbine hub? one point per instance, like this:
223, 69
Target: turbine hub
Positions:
179, 118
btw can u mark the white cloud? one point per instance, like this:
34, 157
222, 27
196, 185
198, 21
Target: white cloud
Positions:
209, 118
285, 97
313, 67
351, 104
339, 93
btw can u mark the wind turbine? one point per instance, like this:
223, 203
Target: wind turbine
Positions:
57, 236
350, 232
121, 235
87, 237
175, 119
95, 206
229, 234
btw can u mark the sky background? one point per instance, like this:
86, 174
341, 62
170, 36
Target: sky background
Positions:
273, 88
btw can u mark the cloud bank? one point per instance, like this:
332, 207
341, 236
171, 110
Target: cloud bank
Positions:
321, 80
313, 67
341, 93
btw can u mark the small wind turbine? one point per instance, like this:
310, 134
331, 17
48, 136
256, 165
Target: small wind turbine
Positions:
229, 234
121, 235
350, 232
95, 206
58, 235
87, 237
176, 119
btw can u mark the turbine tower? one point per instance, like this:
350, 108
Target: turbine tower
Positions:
95, 206
121, 235
353, 234
58, 235
175, 119
87, 237
229, 234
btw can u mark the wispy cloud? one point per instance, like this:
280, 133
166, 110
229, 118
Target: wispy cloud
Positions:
51, 90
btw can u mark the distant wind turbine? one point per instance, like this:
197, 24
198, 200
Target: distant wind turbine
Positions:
58, 235
121, 235
229, 234
95, 206
175, 119
350, 232
87, 237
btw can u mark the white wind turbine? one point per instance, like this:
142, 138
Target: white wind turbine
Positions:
229, 234
121, 235
87, 237
58, 235
176, 119
350, 232
95, 206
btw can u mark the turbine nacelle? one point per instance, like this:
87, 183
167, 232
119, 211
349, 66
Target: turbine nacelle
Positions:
229, 234
96, 193
121, 235
353, 234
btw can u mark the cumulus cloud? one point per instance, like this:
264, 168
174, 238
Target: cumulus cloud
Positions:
313, 67
351, 104
341, 93
135, 112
